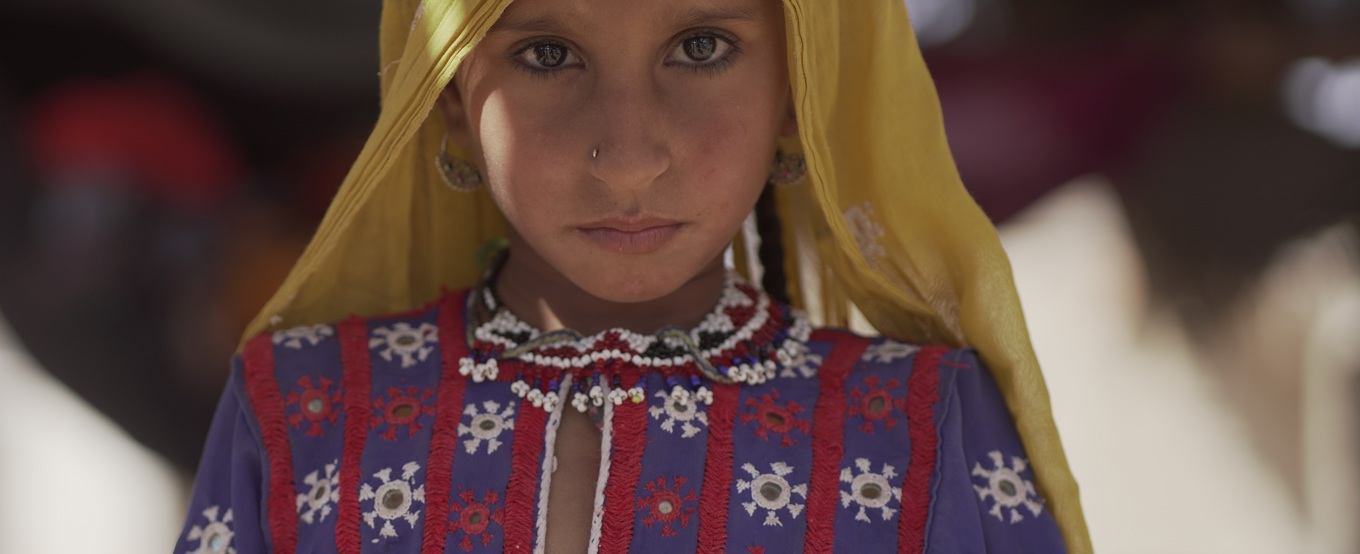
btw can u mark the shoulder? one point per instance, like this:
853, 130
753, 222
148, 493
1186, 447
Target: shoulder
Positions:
844, 352
312, 360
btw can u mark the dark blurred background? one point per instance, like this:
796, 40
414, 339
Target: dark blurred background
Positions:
162, 163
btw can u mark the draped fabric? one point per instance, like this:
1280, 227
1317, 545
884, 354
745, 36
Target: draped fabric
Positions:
883, 224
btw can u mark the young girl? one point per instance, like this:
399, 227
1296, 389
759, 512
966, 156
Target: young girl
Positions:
606, 384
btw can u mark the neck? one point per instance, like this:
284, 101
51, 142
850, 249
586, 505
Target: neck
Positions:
544, 298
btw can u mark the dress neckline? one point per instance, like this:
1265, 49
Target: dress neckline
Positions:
744, 339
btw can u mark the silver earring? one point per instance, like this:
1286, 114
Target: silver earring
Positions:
595, 153
788, 169
458, 174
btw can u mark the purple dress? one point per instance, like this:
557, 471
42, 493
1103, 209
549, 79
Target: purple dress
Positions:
751, 433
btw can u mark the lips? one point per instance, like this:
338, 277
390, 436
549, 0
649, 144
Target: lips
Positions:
634, 237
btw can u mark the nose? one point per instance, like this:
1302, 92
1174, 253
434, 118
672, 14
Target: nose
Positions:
630, 152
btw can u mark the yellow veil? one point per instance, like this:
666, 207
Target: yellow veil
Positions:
883, 224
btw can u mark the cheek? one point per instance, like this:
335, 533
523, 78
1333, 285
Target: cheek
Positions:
524, 155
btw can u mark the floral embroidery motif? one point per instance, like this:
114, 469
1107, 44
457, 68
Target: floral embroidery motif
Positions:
1007, 489
393, 499
888, 350
877, 404
486, 426
799, 360
665, 504
311, 334
322, 494
866, 231
313, 404
473, 519
411, 344
215, 536
772, 492
772, 418
402, 408
682, 407
870, 490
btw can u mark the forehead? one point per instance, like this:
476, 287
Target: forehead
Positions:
559, 16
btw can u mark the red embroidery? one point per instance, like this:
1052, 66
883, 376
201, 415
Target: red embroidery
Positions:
402, 408
526, 455
771, 417
444, 440
357, 383
310, 405
473, 519
828, 444
665, 505
755, 550
877, 404
924, 393
629, 437
262, 391
717, 471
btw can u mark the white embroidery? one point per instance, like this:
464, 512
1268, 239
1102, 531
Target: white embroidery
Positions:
323, 493
293, 338
420, 10
866, 232
393, 499
870, 490
409, 343
679, 406
486, 425
888, 350
771, 492
1006, 488
215, 536
798, 360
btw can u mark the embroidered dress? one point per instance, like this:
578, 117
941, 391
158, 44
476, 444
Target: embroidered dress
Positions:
428, 432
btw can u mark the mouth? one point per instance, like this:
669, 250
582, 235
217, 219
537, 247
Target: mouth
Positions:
631, 236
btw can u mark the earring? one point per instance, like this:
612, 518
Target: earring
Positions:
788, 169
458, 174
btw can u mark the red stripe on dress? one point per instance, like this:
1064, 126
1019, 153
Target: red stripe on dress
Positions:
629, 439
262, 390
828, 435
713, 500
444, 441
357, 382
922, 394
521, 494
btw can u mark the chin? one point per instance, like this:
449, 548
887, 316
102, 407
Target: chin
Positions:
627, 287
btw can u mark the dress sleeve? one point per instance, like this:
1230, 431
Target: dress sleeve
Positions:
985, 499
225, 507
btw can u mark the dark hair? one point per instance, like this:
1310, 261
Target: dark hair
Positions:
771, 253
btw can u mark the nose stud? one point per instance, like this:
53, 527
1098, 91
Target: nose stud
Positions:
595, 153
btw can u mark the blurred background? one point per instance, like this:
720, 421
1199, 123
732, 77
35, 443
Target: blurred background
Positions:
1177, 182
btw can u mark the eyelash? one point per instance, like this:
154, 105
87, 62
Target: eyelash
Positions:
711, 68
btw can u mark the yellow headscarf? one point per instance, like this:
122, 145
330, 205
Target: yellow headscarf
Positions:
884, 223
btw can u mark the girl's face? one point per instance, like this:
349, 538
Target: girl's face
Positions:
625, 140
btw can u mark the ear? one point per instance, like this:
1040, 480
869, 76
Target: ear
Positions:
451, 106
790, 125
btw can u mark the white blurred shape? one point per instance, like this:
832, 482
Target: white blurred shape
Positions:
70, 480
1163, 462
940, 21
1324, 97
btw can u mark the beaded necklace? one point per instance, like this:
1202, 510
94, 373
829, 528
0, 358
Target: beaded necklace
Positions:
746, 338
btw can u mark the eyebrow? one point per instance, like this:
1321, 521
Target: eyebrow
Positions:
694, 17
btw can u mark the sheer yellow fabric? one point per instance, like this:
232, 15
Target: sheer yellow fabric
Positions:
883, 223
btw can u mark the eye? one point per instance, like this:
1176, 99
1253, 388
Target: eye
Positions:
547, 56
702, 49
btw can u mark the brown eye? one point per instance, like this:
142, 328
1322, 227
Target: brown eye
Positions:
703, 50
700, 48
549, 55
